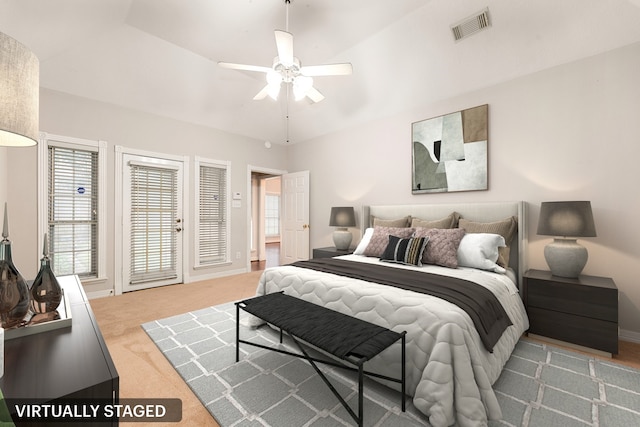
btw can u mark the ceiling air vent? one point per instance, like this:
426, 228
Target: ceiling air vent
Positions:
471, 25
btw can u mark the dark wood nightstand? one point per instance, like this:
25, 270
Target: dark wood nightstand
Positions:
582, 311
329, 252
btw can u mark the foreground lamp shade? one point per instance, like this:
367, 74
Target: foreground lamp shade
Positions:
566, 221
342, 217
19, 94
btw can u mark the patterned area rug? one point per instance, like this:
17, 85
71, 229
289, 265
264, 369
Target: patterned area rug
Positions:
540, 386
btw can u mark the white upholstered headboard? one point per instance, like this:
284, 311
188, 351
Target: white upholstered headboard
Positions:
480, 212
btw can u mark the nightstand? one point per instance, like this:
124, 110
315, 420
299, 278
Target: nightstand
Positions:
329, 252
582, 311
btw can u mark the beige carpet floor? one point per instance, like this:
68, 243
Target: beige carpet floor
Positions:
144, 371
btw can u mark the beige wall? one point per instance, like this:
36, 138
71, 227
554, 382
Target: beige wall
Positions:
67, 115
568, 133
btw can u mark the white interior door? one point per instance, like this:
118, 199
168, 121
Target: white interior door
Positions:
152, 222
294, 244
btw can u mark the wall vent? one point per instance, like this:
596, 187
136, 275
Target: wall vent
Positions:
471, 25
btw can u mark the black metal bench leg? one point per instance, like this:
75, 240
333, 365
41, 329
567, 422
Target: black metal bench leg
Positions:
360, 419
344, 403
404, 372
237, 332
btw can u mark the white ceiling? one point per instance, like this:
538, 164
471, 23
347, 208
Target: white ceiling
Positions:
160, 56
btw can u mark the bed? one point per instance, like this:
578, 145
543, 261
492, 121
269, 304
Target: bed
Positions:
450, 366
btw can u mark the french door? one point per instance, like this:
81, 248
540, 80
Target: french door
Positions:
151, 222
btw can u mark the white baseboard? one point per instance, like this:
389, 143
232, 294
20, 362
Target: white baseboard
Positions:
631, 336
110, 292
192, 279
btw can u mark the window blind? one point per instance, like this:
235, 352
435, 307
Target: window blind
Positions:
73, 211
272, 215
212, 215
154, 209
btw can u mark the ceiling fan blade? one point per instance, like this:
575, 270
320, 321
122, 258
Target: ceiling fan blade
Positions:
314, 95
327, 70
244, 67
262, 94
284, 43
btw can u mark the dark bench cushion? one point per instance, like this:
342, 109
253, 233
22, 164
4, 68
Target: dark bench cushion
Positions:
336, 333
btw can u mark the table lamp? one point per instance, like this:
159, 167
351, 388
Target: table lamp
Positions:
566, 221
342, 217
19, 94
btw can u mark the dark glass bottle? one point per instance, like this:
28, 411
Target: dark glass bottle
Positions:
14, 292
46, 292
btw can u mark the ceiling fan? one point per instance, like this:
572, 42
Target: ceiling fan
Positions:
288, 69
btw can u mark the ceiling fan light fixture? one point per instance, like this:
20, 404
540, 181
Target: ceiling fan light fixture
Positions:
274, 81
287, 68
301, 86
274, 91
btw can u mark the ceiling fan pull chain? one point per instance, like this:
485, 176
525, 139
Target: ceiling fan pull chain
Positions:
287, 117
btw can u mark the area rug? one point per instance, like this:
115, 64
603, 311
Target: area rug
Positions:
541, 385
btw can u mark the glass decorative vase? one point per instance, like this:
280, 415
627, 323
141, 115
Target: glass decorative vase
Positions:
14, 292
46, 292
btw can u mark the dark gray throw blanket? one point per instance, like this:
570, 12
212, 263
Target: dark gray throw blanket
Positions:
482, 306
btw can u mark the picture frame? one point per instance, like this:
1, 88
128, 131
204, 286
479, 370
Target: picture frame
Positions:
449, 152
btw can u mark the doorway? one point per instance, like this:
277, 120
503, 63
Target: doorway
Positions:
293, 213
266, 189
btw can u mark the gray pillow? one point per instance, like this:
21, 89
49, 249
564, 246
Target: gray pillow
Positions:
399, 222
450, 221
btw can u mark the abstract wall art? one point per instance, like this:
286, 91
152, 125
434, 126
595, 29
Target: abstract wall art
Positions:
450, 152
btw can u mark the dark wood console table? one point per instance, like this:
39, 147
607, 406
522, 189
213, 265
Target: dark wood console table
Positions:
70, 363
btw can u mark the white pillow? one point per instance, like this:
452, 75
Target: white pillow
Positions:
364, 242
480, 250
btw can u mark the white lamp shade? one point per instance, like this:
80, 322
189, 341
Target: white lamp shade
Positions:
19, 94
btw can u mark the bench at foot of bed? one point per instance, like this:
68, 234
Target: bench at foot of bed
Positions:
351, 340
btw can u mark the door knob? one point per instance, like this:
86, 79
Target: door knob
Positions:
178, 229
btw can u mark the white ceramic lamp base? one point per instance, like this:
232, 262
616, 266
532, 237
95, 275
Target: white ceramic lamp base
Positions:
566, 257
342, 239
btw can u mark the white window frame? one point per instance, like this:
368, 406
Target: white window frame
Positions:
266, 216
47, 140
221, 164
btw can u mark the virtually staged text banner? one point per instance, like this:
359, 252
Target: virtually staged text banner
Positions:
73, 410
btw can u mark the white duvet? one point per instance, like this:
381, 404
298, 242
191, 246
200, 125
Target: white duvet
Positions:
449, 372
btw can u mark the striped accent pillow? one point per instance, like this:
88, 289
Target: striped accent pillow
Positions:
405, 251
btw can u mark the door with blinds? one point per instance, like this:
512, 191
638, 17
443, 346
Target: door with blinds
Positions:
152, 222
